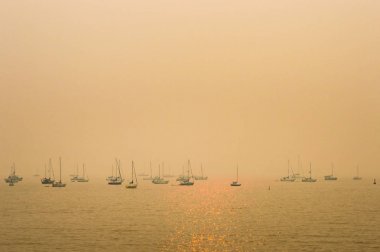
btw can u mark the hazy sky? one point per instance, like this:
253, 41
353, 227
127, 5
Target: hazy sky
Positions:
219, 82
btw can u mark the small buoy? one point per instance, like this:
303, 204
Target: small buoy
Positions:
374, 181
269, 188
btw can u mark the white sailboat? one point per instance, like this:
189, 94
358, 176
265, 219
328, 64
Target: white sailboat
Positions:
77, 178
117, 179
357, 177
331, 176
74, 177
297, 176
188, 181
133, 183
288, 178
158, 180
59, 183
309, 179
236, 183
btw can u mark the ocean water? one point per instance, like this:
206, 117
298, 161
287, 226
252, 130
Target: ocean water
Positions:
341, 215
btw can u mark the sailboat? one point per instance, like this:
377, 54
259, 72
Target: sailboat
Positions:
13, 178
133, 183
116, 180
297, 176
202, 177
151, 175
357, 177
288, 178
59, 183
309, 179
77, 178
187, 181
183, 176
159, 180
236, 183
331, 177
48, 180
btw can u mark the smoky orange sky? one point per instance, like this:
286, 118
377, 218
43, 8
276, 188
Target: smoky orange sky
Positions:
217, 82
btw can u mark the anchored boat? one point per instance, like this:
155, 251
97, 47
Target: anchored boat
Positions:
188, 181
48, 180
59, 183
133, 183
309, 179
236, 183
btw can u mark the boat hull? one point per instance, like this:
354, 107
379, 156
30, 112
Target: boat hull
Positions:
287, 179
47, 181
186, 183
114, 183
59, 184
235, 183
309, 180
160, 182
131, 186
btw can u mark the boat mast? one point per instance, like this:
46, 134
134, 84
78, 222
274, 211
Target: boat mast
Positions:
119, 169
237, 173
288, 167
310, 170
60, 170
132, 172
51, 168
191, 170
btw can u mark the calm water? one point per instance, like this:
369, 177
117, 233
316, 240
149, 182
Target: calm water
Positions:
210, 216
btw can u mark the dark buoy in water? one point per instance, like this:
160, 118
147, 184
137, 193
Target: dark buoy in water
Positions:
269, 188
374, 181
